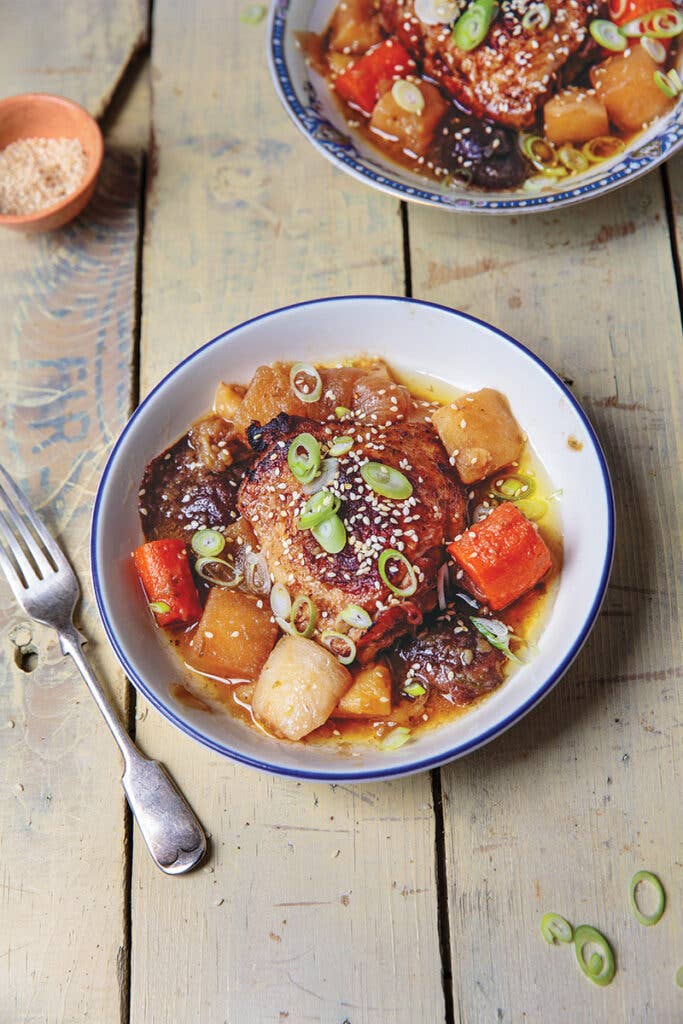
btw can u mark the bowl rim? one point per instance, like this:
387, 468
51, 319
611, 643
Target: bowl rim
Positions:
18, 219
409, 768
629, 168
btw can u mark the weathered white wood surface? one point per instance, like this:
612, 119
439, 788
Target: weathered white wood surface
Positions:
319, 903
560, 812
74, 49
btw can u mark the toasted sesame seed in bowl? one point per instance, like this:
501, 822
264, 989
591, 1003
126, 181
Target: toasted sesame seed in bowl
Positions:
414, 338
51, 152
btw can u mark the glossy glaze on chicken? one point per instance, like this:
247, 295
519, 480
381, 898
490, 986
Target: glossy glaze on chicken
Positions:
336, 557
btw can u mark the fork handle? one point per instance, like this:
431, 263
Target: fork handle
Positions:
171, 831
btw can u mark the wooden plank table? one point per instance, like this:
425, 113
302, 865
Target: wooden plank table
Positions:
411, 901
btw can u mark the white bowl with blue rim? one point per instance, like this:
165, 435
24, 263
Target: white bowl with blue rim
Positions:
307, 99
412, 336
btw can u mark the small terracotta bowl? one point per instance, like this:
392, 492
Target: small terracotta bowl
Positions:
40, 115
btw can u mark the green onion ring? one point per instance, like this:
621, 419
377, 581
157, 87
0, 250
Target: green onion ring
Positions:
200, 569
496, 633
395, 738
319, 507
304, 466
340, 445
473, 24
414, 690
606, 34
662, 24
679, 976
341, 411
604, 147
669, 82
513, 486
532, 508
159, 607
539, 151
555, 928
602, 970
280, 601
356, 616
303, 603
330, 535
639, 878
392, 555
208, 542
386, 480
573, 159
309, 371
536, 18
328, 471
331, 639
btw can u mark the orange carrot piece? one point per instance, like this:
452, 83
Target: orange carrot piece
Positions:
165, 574
503, 556
362, 82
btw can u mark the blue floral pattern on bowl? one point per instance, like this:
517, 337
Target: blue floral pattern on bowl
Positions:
305, 109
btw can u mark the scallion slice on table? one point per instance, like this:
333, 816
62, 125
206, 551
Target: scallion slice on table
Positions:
555, 928
253, 14
318, 508
330, 535
341, 445
386, 480
226, 579
310, 616
679, 976
341, 645
409, 578
497, 634
208, 542
356, 616
472, 26
606, 34
303, 457
600, 966
647, 878
306, 382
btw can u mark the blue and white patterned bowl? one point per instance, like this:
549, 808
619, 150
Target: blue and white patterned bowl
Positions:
306, 99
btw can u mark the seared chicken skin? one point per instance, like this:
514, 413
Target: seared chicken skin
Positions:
271, 500
512, 72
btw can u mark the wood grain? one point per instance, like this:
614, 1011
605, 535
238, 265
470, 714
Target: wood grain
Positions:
319, 902
67, 317
562, 810
75, 50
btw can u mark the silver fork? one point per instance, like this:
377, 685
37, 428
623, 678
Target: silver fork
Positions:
46, 587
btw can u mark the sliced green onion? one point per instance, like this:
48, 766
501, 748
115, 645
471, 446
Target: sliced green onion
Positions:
386, 480
256, 573
328, 471
217, 581
496, 633
669, 82
601, 970
341, 411
392, 555
606, 34
306, 392
540, 152
356, 616
159, 607
532, 508
472, 26
679, 976
305, 605
654, 48
536, 18
395, 738
604, 147
641, 878
414, 690
303, 457
555, 928
284, 625
330, 535
662, 24
341, 645
341, 445
436, 12
318, 508
280, 601
573, 159
513, 486
408, 96
208, 542
253, 14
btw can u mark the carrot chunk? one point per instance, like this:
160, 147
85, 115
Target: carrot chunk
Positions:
365, 80
165, 574
503, 556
